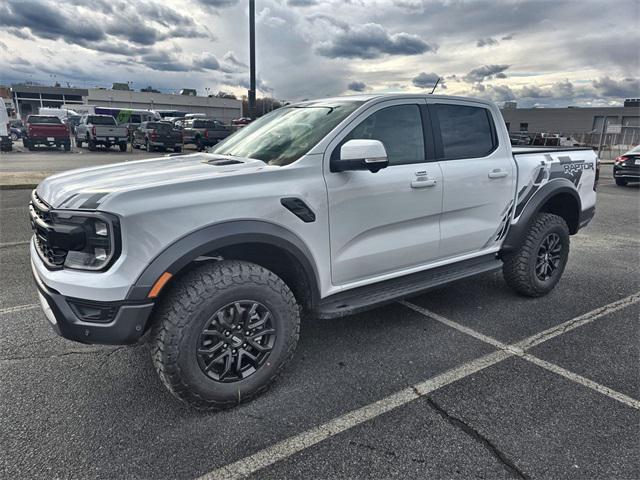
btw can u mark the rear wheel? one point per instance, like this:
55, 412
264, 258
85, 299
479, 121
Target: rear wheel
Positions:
123, 146
177, 149
621, 182
199, 144
67, 146
78, 143
92, 144
223, 333
536, 266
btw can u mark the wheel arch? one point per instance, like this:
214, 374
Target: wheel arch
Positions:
559, 197
271, 246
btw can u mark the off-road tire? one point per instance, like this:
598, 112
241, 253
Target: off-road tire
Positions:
185, 308
519, 266
621, 182
78, 143
123, 146
91, 143
67, 146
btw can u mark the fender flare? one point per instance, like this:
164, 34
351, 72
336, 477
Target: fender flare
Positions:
213, 237
554, 187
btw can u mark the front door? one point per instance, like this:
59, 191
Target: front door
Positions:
385, 222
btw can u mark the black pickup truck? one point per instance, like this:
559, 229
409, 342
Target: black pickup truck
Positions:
157, 135
204, 132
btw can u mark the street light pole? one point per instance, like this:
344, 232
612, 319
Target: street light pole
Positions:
252, 59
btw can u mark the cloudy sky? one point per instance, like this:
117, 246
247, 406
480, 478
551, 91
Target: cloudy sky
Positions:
538, 52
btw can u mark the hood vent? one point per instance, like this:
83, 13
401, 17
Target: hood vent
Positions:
222, 163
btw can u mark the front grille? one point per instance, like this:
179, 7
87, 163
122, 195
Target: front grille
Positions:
41, 223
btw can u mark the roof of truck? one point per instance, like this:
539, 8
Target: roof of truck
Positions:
392, 96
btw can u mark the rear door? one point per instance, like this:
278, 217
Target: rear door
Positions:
478, 176
385, 222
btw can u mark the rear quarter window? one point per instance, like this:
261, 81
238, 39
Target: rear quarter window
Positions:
466, 131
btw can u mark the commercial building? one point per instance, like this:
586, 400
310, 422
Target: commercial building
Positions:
570, 120
28, 99
223, 109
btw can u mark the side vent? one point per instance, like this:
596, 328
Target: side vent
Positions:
299, 209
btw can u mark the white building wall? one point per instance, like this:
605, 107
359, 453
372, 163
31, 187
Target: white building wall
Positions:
223, 109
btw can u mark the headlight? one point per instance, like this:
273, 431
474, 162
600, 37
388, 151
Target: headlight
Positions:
96, 238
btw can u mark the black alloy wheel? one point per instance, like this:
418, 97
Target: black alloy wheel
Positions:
236, 341
548, 258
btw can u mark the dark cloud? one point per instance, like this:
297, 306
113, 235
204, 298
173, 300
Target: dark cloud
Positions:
371, 40
485, 72
207, 61
45, 21
357, 86
218, 3
164, 61
486, 42
3, 46
625, 88
20, 33
302, 3
427, 80
233, 63
508, 37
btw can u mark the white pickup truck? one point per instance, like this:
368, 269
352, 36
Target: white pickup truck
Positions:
325, 208
101, 130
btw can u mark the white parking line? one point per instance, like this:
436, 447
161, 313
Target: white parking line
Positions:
519, 348
19, 308
292, 445
14, 244
281, 450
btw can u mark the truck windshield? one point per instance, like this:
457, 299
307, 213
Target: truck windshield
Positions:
39, 119
284, 135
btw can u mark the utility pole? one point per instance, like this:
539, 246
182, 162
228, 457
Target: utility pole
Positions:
252, 59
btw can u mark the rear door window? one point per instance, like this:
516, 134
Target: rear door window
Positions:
466, 131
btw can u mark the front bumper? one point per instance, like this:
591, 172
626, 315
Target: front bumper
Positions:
124, 324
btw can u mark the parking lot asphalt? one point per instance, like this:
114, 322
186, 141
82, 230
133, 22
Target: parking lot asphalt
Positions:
467, 381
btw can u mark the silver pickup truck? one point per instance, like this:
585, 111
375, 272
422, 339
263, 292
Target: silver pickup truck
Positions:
323, 208
101, 130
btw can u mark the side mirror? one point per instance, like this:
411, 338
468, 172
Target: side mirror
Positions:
361, 154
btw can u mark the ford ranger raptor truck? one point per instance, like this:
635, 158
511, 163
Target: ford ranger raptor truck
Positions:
323, 208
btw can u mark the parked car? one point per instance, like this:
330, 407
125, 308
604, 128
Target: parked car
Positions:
626, 167
203, 132
47, 130
157, 135
326, 207
16, 129
101, 130
6, 143
241, 121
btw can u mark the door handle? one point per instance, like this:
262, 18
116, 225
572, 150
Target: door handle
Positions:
424, 183
498, 173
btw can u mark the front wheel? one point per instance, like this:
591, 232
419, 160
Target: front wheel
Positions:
536, 266
223, 333
621, 182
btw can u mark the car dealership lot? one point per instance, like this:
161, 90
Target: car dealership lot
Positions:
437, 387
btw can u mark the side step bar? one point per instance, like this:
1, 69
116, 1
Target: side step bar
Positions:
363, 298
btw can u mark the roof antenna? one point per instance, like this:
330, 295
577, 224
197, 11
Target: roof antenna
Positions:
434, 87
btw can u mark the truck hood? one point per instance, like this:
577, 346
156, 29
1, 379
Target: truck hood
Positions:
87, 188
